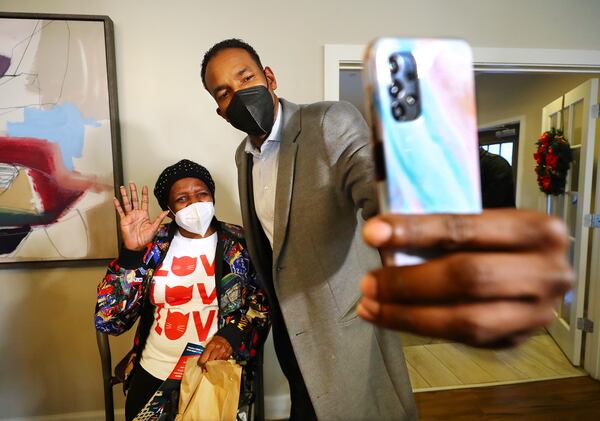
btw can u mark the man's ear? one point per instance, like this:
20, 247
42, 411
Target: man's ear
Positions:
271, 81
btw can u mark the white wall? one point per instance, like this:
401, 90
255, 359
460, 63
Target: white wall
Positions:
46, 330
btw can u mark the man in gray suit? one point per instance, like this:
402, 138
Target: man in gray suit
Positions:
305, 181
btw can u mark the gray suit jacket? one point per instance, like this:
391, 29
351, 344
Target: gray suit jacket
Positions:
352, 370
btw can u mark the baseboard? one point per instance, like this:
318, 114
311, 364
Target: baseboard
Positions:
277, 407
72, 416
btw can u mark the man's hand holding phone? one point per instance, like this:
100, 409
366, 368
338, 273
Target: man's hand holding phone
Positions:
497, 283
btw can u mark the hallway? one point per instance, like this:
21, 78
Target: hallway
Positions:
438, 365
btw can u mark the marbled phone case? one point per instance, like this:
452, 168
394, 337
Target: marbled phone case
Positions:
429, 164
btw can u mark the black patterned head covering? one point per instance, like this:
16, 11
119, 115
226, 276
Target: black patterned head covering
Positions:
183, 169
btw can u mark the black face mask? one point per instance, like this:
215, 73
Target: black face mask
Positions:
251, 110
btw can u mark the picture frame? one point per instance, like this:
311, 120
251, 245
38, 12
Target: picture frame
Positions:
60, 149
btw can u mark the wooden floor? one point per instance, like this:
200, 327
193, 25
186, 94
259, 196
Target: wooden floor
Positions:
561, 400
437, 365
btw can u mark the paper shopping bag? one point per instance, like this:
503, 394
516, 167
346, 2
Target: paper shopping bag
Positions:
209, 393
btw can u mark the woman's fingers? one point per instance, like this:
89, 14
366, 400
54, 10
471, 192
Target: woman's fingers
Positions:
131, 200
125, 199
134, 196
145, 198
159, 219
207, 354
216, 349
118, 207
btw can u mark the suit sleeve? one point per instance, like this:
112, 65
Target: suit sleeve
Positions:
347, 137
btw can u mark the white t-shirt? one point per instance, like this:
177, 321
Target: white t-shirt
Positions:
185, 295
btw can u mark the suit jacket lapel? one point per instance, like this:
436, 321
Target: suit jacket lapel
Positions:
285, 174
245, 188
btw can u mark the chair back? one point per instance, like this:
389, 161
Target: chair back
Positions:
108, 379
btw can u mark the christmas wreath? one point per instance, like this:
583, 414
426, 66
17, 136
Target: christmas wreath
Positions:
553, 158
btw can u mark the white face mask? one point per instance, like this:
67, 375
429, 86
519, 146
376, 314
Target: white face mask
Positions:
196, 217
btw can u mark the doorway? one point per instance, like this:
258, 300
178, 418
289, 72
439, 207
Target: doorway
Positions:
502, 140
496, 103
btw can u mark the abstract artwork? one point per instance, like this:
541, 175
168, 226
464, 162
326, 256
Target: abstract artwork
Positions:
59, 138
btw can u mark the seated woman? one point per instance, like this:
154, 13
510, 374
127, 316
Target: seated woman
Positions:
188, 281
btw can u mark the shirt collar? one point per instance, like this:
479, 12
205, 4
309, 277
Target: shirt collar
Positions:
274, 136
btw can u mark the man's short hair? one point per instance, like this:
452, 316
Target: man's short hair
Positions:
223, 45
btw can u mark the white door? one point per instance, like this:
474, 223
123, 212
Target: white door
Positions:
579, 130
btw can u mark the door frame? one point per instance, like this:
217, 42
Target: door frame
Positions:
338, 57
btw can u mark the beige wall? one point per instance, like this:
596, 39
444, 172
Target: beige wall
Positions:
48, 358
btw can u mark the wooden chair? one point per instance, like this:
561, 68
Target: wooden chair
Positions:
109, 380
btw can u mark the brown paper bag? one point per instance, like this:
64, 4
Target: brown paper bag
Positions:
211, 394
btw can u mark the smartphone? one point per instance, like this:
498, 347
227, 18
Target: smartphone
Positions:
420, 102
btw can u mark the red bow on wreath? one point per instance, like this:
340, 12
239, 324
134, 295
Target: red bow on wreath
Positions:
553, 158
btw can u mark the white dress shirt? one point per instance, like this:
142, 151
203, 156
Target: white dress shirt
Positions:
264, 175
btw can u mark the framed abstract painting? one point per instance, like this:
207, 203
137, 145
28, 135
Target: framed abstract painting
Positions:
60, 157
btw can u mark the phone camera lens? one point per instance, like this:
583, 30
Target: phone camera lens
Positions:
396, 88
398, 110
411, 99
394, 67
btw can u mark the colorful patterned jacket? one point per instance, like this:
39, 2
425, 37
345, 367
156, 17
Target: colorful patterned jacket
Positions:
243, 306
